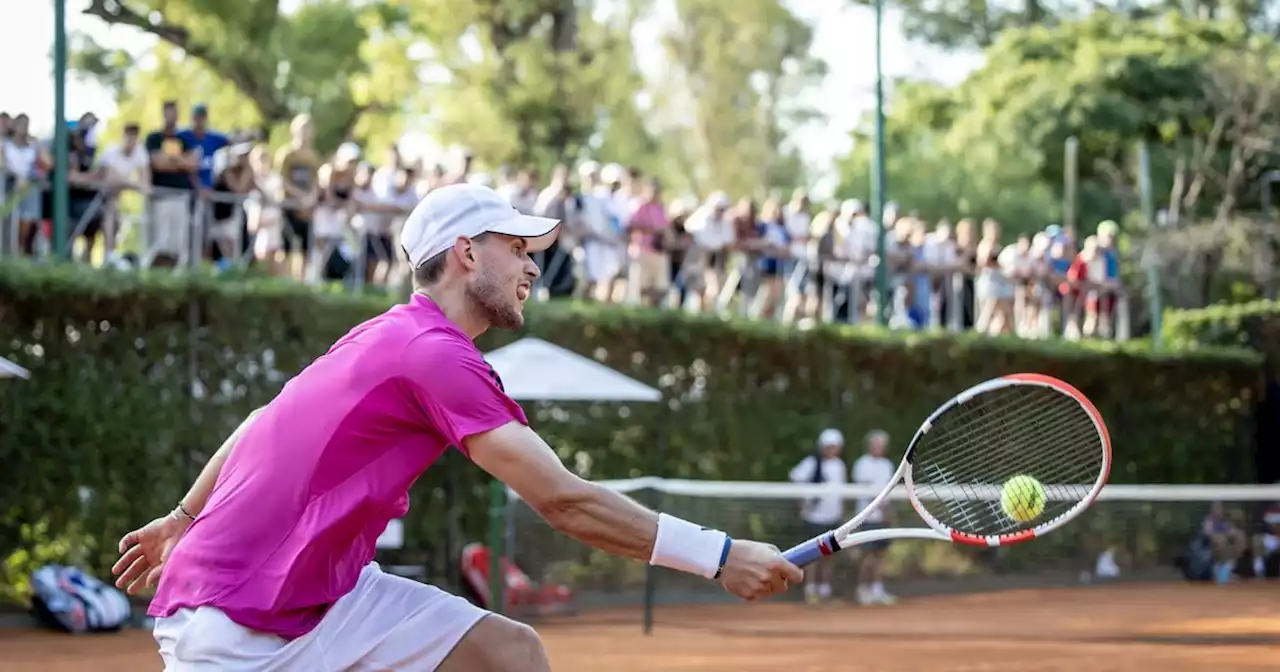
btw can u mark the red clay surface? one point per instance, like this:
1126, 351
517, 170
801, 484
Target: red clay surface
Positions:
1169, 628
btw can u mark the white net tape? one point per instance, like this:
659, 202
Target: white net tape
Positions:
799, 491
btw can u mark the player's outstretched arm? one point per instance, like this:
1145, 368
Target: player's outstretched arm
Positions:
604, 519
144, 551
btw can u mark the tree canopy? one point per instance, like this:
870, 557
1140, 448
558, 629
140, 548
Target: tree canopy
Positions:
526, 82
1200, 93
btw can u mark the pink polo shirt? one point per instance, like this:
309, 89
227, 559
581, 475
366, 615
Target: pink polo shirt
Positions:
326, 465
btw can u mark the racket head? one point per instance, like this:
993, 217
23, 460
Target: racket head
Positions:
960, 460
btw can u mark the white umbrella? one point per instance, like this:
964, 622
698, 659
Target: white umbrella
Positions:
534, 370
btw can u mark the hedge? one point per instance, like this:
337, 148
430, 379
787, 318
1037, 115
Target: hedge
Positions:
1254, 325
137, 378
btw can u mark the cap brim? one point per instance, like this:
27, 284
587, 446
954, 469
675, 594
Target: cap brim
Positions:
538, 232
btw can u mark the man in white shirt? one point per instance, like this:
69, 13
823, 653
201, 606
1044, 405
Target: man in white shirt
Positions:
125, 166
821, 514
604, 250
875, 470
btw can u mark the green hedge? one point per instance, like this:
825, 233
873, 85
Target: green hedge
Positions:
1254, 325
137, 379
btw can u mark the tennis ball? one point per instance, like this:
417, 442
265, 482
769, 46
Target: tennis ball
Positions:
1022, 498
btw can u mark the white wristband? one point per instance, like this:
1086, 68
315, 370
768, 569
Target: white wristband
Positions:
688, 547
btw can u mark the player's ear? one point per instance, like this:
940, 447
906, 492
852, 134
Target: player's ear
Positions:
464, 248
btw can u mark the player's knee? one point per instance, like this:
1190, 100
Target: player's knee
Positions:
524, 649
503, 645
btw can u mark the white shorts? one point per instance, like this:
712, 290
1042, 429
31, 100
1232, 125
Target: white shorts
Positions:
386, 622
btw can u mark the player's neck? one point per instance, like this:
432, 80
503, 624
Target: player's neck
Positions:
458, 309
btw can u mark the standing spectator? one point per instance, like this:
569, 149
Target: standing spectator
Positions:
993, 289
87, 126
84, 213
874, 470
920, 280
822, 250
821, 514
337, 184
206, 142
263, 214
616, 192
173, 168
857, 237
712, 230
24, 172
648, 230
1018, 264
522, 192
558, 201
798, 219
387, 176
1109, 284
603, 245
679, 244
383, 206
299, 166
940, 258
775, 252
1086, 280
966, 266
124, 166
462, 173
229, 238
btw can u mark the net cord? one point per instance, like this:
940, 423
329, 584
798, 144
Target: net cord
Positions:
1151, 492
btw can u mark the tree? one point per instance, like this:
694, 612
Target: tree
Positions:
980, 23
736, 71
528, 80
314, 59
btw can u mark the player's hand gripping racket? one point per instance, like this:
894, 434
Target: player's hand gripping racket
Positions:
1003, 462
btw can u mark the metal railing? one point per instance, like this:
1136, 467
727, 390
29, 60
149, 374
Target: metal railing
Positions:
179, 227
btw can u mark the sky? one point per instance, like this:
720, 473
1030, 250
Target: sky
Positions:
845, 39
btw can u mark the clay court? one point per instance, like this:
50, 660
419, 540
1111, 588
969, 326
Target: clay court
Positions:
1171, 628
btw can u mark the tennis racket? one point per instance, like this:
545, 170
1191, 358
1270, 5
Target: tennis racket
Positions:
958, 464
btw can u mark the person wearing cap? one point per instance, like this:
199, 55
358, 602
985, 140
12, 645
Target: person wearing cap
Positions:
825, 512
875, 471
207, 143
124, 166
274, 569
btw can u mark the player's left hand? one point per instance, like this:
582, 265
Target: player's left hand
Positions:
144, 551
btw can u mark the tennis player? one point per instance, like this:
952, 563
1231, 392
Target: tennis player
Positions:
267, 563
824, 512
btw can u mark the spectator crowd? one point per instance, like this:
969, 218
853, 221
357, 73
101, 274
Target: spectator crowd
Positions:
225, 199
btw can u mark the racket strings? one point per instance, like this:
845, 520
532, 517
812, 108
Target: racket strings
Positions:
960, 466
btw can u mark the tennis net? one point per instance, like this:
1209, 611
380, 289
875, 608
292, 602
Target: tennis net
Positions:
1147, 530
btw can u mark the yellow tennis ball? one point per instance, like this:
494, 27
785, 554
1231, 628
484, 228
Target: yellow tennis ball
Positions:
1022, 498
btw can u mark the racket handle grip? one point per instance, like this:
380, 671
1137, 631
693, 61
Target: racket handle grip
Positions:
810, 551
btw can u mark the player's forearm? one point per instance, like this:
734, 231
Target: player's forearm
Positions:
604, 519
198, 495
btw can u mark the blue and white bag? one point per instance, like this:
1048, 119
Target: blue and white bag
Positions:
68, 599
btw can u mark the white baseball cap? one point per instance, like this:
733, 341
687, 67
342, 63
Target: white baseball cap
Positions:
468, 210
831, 437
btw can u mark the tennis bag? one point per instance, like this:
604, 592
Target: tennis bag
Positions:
70, 600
